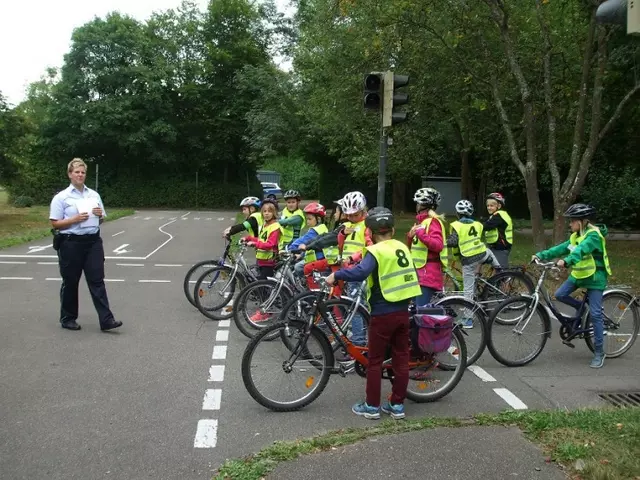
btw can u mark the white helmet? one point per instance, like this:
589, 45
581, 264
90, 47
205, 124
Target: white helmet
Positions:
250, 202
353, 202
464, 207
427, 196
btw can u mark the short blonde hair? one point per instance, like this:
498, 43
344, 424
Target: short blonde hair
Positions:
76, 162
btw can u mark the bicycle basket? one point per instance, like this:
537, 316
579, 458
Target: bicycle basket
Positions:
431, 333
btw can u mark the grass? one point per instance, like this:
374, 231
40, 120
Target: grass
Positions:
606, 440
22, 225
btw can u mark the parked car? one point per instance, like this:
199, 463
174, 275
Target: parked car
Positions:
269, 188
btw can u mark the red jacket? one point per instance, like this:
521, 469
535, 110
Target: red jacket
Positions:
431, 274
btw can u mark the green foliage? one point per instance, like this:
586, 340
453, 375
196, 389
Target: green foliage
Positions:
296, 174
615, 193
23, 201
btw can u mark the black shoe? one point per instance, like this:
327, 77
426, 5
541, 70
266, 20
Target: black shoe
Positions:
111, 325
70, 325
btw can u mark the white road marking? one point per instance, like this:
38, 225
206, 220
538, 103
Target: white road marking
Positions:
121, 249
196, 218
114, 279
184, 218
222, 335
219, 352
16, 278
15, 263
160, 228
116, 234
130, 264
481, 373
216, 373
37, 248
54, 278
206, 434
510, 398
154, 281
47, 263
212, 399
224, 323
147, 218
135, 218
55, 256
220, 219
168, 265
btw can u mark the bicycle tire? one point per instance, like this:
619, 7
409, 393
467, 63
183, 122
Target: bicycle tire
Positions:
240, 306
188, 291
495, 279
626, 297
540, 309
472, 356
451, 384
211, 312
273, 331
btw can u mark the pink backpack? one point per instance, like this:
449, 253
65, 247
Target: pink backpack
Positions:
431, 333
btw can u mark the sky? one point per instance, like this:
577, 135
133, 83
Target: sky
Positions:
35, 34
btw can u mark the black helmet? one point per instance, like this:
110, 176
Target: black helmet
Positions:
379, 220
580, 210
272, 202
292, 194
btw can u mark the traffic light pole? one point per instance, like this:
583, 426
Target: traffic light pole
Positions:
382, 166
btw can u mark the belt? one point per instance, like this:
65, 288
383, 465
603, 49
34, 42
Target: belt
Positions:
81, 238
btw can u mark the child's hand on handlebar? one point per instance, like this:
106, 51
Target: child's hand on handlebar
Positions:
561, 263
331, 279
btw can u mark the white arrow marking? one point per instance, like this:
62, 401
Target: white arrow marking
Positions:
121, 249
37, 248
116, 234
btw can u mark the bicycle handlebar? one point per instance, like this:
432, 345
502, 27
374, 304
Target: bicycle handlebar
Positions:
546, 265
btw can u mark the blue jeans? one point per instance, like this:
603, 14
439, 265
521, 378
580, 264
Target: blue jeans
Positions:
358, 334
595, 307
298, 268
425, 297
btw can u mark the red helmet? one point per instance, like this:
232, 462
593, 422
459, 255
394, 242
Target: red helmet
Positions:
497, 197
315, 209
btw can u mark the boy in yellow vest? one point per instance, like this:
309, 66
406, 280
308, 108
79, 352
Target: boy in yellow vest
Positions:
393, 281
292, 220
465, 240
252, 218
586, 253
498, 229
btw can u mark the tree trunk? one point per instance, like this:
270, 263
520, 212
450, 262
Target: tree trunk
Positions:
559, 222
533, 200
399, 196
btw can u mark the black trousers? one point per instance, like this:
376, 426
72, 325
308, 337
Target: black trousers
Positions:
78, 254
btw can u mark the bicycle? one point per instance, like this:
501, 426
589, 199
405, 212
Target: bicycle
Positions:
205, 264
317, 364
572, 327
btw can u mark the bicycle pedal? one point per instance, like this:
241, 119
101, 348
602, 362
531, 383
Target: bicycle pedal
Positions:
569, 344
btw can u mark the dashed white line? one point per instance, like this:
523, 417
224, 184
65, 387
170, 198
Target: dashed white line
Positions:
15, 263
135, 218
212, 398
219, 352
116, 234
185, 218
168, 265
224, 323
114, 279
196, 218
510, 398
54, 279
154, 281
130, 264
222, 335
206, 434
47, 263
220, 219
147, 218
216, 373
481, 373
16, 278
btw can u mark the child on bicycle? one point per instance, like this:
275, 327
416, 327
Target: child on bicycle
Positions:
292, 220
465, 240
393, 281
314, 215
498, 229
426, 241
252, 218
268, 240
586, 253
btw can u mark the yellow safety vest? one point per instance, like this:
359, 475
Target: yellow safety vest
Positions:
491, 236
260, 220
265, 232
310, 256
397, 276
419, 250
469, 238
289, 234
356, 241
587, 266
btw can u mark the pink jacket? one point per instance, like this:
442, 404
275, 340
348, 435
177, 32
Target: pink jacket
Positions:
431, 274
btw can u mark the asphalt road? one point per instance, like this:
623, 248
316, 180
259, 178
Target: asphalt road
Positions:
161, 397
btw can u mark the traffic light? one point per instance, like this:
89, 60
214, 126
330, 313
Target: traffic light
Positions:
392, 99
620, 12
373, 91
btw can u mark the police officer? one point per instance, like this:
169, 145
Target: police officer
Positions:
80, 247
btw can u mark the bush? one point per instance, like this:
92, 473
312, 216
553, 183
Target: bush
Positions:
23, 201
296, 174
616, 196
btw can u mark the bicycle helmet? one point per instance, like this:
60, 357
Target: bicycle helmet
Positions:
272, 196
379, 220
292, 194
498, 197
353, 202
250, 202
315, 209
272, 202
464, 207
428, 196
580, 210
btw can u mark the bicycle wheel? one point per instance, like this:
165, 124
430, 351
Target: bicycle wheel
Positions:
476, 338
536, 322
195, 271
503, 285
621, 323
428, 382
258, 306
264, 360
451, 282
214, 290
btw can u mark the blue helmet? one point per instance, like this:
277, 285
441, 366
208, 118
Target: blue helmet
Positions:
250, 202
